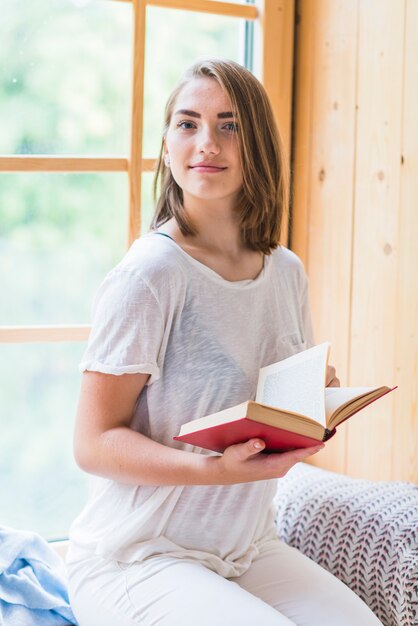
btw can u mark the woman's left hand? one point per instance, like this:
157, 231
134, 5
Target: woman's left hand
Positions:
331, 378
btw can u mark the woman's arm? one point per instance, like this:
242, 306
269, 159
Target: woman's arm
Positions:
104, 444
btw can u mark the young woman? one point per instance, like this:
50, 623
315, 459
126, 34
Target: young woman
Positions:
174, 535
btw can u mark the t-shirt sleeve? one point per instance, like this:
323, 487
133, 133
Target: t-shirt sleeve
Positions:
127, 328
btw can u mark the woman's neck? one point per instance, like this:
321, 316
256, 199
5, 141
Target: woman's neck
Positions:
218, 245
217, 228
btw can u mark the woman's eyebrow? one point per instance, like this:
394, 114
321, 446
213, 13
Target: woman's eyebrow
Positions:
223, 115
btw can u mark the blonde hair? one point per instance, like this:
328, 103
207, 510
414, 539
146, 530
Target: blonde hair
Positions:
265, 173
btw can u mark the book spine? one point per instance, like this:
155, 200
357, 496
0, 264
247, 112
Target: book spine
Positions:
328, 434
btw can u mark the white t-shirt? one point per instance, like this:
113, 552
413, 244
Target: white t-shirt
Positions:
202, 339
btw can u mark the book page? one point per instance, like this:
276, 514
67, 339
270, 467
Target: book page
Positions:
297, 384
337, 396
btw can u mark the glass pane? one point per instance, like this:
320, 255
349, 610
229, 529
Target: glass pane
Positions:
41, 487
59, 235
65, 76
168, 54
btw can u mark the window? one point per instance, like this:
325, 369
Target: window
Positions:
74, 154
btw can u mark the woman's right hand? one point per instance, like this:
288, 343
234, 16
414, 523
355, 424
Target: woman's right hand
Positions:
243, 462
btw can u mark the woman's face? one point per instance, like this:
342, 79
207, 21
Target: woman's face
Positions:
201, 146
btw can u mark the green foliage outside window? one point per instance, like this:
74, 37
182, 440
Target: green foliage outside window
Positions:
65, 88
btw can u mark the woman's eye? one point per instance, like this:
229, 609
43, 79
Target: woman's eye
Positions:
185, 125
233, 126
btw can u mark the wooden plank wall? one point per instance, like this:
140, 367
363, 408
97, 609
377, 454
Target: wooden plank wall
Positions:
354, 218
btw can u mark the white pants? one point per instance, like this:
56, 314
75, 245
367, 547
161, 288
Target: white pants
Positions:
282, 587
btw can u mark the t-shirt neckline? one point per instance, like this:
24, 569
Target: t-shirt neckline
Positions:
237, 284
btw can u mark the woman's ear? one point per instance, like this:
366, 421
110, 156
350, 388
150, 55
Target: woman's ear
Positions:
166, 156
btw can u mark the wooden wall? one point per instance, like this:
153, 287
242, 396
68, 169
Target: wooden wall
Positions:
355, 215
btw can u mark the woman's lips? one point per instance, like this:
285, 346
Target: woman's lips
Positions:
207, 169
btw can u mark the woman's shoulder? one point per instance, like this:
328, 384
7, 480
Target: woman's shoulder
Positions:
289, 270
285, 258
149, 273
152, 259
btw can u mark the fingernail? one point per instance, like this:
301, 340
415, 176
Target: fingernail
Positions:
258, 445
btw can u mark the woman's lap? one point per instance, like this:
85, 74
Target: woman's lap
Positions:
299, 588
165, 592
282, 587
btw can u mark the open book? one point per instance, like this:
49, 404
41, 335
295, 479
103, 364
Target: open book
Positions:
292, 409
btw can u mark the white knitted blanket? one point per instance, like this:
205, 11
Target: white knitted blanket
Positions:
364, 532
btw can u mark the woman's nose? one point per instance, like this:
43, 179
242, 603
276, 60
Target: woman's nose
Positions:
208, 141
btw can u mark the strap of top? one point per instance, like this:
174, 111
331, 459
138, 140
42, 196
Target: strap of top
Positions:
163, 234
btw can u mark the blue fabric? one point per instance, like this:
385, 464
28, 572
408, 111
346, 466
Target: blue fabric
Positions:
33, 586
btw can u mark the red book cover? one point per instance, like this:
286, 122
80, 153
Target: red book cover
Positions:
217, 438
